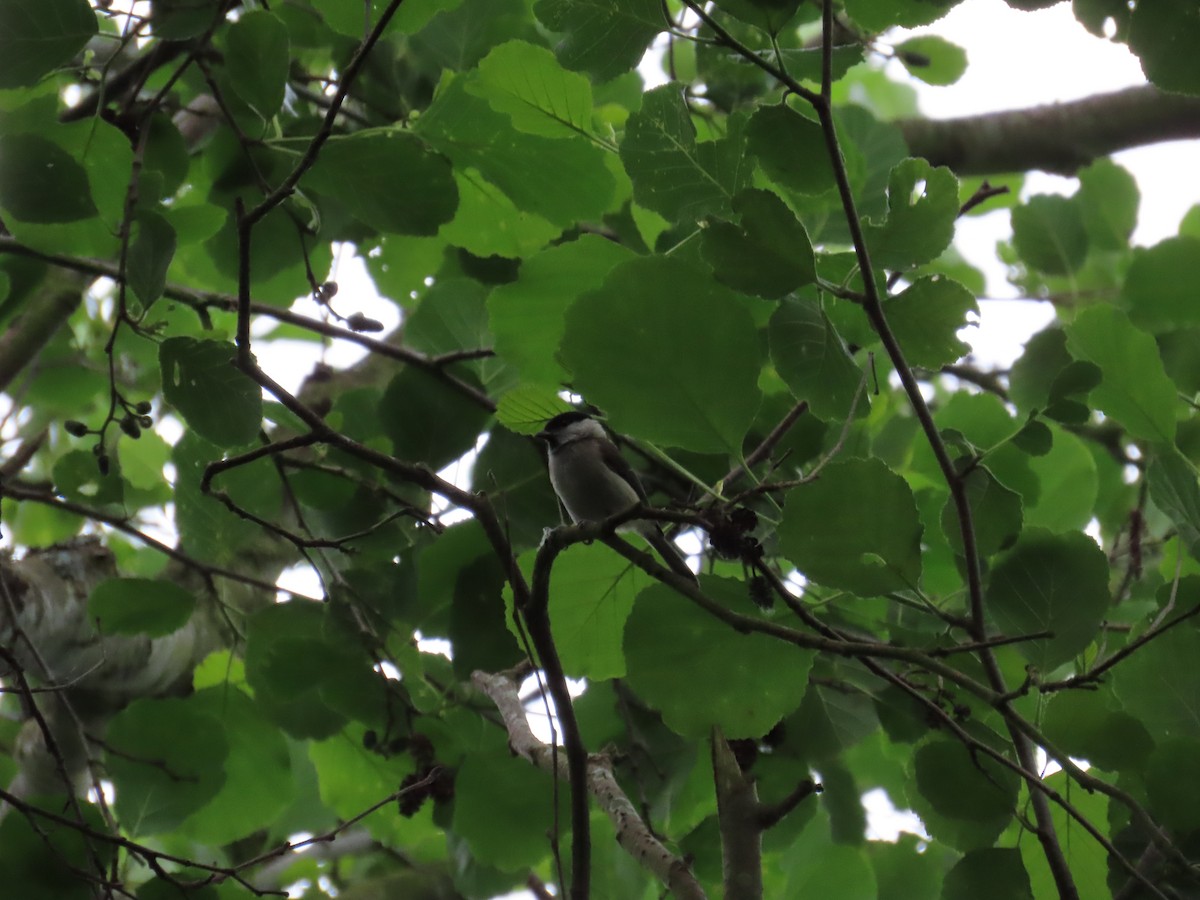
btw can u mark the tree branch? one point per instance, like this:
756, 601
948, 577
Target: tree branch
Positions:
632, 833
1058, 137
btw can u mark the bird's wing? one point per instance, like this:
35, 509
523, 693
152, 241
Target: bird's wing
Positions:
614, 460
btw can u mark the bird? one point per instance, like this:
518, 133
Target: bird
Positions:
593, 481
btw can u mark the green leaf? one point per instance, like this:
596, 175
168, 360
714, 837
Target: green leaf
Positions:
602, 39
904, 872
195, 224
1158, 288
525, 408
879, 15
1173, 488
450, 317
828, 722
699, 672
672, 173
561, 181
926, 318
816, 866
38, 37
49, 859
1069, 484
962, 785
41, 183
933, 59
390, 180
257, 57
293, 663
207, 529
790, 149
767, 253
592, 591
1055, 583
259, 782
457, 38
527, 316
150, 255
995, 513
166, 153
488, 223
990, 873
1136, 390
539, 96
77, 477
140, 606
1099, 15
1160, 688
1108, 196
202, 381
812, 359
674, 323
503, 808
769, 15
177, 20
855, 527
1087, 860
1049, 234
1161, 34
1036, 369
1174, 798
922, 207
428, 420
166, 759
1091, 725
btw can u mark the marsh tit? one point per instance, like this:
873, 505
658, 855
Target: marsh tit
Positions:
593, 481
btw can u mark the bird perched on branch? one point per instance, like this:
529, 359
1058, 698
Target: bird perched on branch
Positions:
593, 481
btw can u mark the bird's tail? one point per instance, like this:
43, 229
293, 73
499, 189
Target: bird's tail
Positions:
667, 550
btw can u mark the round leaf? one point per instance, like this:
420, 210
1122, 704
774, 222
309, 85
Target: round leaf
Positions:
1049, 234
200, 380
37, 37
768, 254
811, 357
257, 58
959, 784
990, 873
40, 182
1136, 390
927, 316
933, 59
995, 514
527, 83
1055, 583
390, 180
922, 207
791, 149
1163, 35
680, 333
855, 527
161, 778
503, 809
1158, 289
698, 672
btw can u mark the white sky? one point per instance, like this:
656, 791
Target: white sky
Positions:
1020, 59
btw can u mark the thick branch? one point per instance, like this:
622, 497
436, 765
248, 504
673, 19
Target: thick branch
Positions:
632, 833
738, 813
1059, 137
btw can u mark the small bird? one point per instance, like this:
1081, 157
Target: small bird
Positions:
593, 481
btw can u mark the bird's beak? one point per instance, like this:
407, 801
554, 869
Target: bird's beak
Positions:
543, 436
